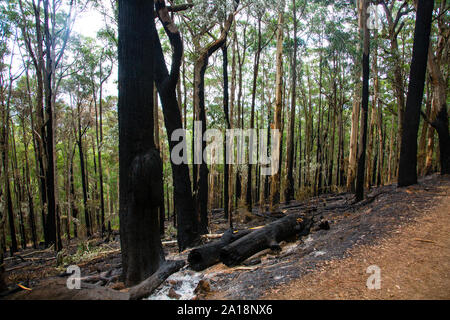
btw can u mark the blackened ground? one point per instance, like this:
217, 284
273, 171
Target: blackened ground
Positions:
387, 209
384, 211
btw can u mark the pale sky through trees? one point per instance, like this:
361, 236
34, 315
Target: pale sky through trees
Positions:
87, 24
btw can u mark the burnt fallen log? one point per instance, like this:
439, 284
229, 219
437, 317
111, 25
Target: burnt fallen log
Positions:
146, 287
208, 255
286, 228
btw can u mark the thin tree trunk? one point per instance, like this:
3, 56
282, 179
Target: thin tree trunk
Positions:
228, 122
421, 157
20, 194
166, 83
252, 119
359, 192
275, 179
31, 218
289, 191
200, 65
373, 116
352, 162
50, 225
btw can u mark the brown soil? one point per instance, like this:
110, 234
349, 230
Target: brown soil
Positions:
414, 262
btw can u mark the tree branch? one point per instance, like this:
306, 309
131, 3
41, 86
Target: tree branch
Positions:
174, 36
424, 116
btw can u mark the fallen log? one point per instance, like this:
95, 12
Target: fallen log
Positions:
169, 243
146, 287
56, 288
212, 236
268, 237
19, 267
207, 255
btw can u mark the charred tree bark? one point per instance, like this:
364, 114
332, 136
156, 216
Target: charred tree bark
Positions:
166, 84
140, 166
248, 199
200, 65
227, 166
364, 107
50, 221
286, 228
84, 182
435, 61
232, 124
27, 187
408, 153
72, 205
290, 189
209, 254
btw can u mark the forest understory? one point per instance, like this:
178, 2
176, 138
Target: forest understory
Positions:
227, 149
328, 263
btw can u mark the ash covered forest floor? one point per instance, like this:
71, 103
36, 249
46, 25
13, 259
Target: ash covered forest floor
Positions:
404, 231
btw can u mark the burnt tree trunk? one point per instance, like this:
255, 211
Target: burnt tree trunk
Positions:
364, 108
166, 84
84, 182
201, 177
248, 198
140, 165
28, 192
290, 189
226, 176
408, 153
436, 61
200, 65
50, 221
73, 207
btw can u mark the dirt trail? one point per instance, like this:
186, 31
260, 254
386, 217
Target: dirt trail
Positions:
414, 261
